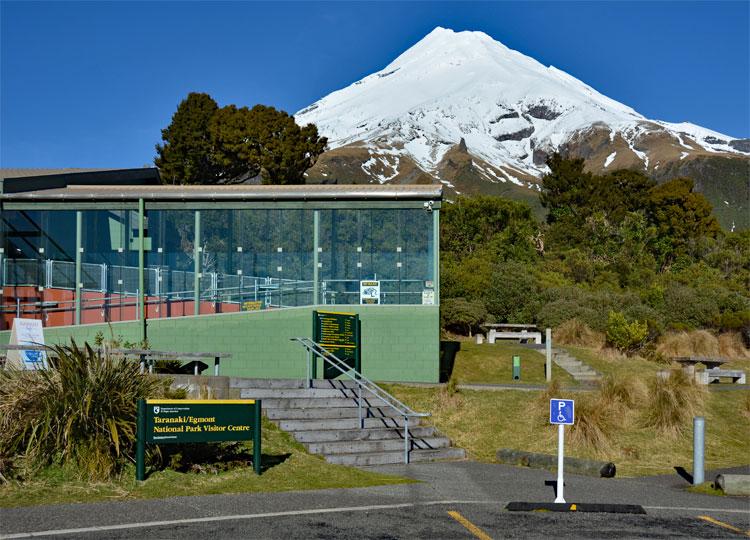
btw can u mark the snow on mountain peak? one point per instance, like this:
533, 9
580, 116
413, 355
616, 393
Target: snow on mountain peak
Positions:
504, 104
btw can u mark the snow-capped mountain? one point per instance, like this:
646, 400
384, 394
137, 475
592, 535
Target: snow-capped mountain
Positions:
464, 109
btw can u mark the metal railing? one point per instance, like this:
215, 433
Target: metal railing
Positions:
363, 383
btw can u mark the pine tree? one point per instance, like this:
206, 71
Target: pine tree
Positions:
266, 141
187, 155
205, 144
681, 216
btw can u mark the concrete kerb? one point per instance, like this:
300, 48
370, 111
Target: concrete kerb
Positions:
586, 467
733, 484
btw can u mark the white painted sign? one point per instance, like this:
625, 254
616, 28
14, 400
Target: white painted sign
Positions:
428, 297
27, 332
369, 292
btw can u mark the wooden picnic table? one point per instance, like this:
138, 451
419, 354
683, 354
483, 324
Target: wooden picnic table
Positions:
710, 363
509, 325
143, 355
512, 331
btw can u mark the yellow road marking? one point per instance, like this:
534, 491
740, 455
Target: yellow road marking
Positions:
725, 525
473, 529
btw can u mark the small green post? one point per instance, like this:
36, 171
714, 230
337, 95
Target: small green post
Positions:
140, 445
516, 368
256, 437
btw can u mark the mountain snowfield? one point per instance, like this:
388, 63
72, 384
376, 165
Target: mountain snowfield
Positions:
463, 93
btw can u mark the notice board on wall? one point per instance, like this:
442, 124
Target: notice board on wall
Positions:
339, 333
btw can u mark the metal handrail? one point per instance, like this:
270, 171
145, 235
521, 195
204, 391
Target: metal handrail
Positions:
363, 382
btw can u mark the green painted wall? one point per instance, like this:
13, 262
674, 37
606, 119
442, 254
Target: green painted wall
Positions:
400, 343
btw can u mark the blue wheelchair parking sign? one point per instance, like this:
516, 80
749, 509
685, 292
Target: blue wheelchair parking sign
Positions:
562, 411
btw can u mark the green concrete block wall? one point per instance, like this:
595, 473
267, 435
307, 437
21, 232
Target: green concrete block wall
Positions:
400, 343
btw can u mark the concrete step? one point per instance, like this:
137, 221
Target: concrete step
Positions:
325, 419
384, 458
334, 383
331, 412
322, 424
567, 361
376, 446
362, 434
262, 393
244, 382
317, 403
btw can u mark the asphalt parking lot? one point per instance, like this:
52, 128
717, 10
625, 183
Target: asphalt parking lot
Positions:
452, 500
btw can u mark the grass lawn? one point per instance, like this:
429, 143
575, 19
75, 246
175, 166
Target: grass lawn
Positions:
290, 468
484, 421
488, 363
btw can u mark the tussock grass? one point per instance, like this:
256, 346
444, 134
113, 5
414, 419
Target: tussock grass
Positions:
595, 417
449, 396
696, 343
625, 392
80, 411
577, 334
672, 404
539, 407
731, 346
595, 421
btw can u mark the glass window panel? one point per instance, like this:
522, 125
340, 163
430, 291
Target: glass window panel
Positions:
38, 271
393, 246
169, 263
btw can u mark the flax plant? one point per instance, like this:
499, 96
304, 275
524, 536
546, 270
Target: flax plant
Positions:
81, 411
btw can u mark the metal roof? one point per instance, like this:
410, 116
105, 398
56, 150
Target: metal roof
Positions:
26, 172
238, 192
28, 180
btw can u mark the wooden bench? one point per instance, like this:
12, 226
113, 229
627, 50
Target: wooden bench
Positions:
145, 356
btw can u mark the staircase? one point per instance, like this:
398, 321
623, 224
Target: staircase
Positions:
325, 420
578, 370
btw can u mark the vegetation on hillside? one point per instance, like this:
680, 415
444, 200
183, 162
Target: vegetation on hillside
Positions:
626, 258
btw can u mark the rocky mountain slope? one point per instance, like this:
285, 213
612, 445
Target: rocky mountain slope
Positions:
463, 109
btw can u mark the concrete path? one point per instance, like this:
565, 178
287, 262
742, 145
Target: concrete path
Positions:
477, 492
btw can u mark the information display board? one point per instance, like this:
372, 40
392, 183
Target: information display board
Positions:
338, 333
27, 332
164, 421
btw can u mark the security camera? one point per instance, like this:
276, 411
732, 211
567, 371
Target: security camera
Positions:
428, 206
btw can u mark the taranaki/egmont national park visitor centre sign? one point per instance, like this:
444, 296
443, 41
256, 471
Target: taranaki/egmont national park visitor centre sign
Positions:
165, 421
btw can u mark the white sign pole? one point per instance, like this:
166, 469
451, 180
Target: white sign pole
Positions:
560, 462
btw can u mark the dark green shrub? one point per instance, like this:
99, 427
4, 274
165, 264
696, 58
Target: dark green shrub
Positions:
556, 312
462, 316
688, 307
513, 294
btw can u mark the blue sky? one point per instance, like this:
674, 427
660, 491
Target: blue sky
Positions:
91, 84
